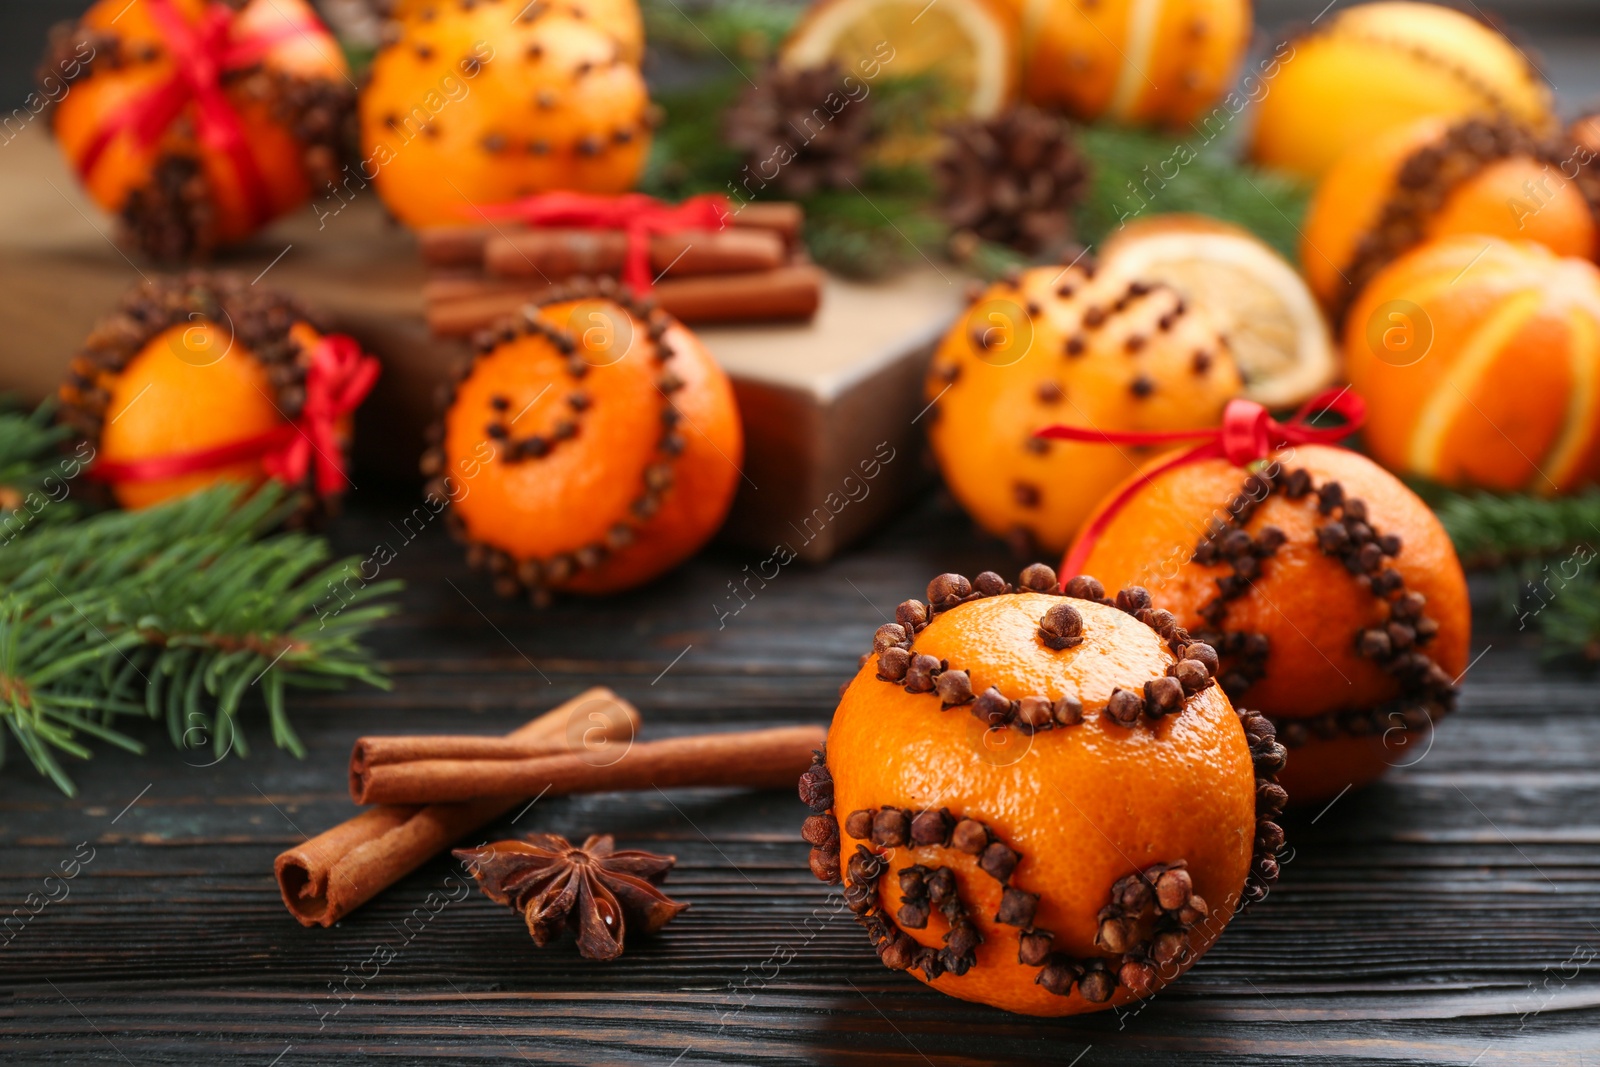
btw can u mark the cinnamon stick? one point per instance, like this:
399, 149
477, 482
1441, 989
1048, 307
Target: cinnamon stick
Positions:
460, 307
463, 246
788, 293
758, 759
556, 254
332, 874
453, 246
783, 217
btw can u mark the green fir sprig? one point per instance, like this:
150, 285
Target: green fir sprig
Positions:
1491, 529
1136, 174
35, 476
177, 612
892, 220
740, 32
1544, 551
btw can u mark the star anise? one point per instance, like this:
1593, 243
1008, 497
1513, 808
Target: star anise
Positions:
594, 889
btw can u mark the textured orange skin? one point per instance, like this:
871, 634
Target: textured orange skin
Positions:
1506, 425
1351, 198
1075, 54
442, 177
1371, 67
1305, 602
1085, 805
177, 395
575, 494
124, 166
986, 416
618, 18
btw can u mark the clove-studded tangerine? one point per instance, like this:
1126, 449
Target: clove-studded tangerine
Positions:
1478, 359
591, 444
1330, 592
1434, 178
198, 122
1367, 68
1037, 797
619, 19
490, 101
207, 377
1072, 345
1130, 62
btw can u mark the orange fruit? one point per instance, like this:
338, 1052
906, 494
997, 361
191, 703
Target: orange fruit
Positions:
489, 102
1131, 61
1480, 362
1583, 134
1434, 178
1349, 641
590, 446
1065, 345
181, 195
188, 364
620, 19
1371, 67
1041, 801
1277, 335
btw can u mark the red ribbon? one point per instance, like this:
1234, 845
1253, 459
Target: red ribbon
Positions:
201, 53
338, 379
637, 215
1248, 433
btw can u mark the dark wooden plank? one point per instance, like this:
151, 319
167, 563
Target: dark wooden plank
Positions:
1446, 914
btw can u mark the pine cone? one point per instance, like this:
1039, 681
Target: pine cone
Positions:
800, 131
1014, 179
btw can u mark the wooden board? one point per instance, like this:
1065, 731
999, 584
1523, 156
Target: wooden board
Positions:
1447, 915
818, 398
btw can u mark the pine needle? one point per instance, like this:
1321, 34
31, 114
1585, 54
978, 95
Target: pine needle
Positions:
1491, 530
1543, 551
35, 478
175, 612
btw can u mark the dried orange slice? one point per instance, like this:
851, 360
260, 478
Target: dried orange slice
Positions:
1278, 337
967, 46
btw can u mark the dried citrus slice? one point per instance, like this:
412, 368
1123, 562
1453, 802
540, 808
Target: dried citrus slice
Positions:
1279, 339
968, 46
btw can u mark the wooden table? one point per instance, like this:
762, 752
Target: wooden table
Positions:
1450, 914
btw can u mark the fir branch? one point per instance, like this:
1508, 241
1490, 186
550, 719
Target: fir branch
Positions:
886, 224
689, 154
1570, 622
892, 221
1137, 174
737, 30
175, 612
34, 476
1542, 552
1492, 530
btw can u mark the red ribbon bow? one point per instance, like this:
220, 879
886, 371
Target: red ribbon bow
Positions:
1248, 433
637, 215
201, 53
338, 379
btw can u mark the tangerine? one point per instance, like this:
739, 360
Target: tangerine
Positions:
490, 102
1371, 67
1129, 61
190, 364
1041, 801
1480, 362
1434, 178
1075, 345
590, 446
1330, 590
181, 194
